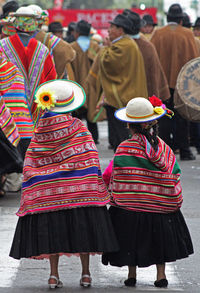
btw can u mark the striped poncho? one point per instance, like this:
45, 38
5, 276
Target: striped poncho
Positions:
33, 61
145, 180
61, 168
13, 92
7, 124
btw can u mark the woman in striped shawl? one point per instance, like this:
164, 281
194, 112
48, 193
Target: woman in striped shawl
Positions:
146, 195
63, 205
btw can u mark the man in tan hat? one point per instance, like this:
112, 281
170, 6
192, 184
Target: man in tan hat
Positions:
122, 74
175, 46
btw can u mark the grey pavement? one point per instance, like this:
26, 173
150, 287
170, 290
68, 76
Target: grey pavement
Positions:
32, 275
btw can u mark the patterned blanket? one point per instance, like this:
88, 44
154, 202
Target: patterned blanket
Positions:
13, 92
33, 61
61, 168
145, 180
7, 124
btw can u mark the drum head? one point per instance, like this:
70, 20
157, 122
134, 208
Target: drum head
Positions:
187, 92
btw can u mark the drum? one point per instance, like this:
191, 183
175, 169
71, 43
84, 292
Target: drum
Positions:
187, 92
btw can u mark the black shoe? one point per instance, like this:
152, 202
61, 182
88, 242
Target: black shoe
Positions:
130, 282
163, 283
187, 157
198, 151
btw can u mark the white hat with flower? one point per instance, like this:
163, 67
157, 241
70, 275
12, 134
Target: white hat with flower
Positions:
59, 96
140, 110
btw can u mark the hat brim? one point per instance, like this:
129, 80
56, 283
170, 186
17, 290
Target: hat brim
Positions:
79, 97
23, 14
121, 115
120, 25
173, 15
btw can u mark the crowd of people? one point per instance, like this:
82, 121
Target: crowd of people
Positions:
50, 83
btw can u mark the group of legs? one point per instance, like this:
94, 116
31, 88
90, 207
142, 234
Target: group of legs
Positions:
85, 281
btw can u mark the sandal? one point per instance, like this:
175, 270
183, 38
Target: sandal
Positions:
58, 283
85, 283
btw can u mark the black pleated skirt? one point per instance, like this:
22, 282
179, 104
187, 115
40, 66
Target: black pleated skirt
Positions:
70, 231
148, 238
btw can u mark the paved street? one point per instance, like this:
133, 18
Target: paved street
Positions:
31, 275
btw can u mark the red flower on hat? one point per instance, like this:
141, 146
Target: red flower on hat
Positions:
155, 101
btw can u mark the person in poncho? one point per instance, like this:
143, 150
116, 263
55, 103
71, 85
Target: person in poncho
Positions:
13, 91
146, 195
86, 50
175, 46
121, 74
30, 56
63, 205
61, 52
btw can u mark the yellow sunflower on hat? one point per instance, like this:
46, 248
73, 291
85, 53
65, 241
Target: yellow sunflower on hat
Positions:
45, 99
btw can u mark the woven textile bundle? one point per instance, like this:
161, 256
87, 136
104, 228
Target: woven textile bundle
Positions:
145, 180
61, 168
13, 91
7, 124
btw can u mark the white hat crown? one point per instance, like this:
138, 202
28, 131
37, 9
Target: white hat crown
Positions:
139, 108
25, 11
36, 9
60, 89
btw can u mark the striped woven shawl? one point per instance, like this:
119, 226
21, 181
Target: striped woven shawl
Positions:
33, 61
13, 92
61, 168
7, 124
145, 180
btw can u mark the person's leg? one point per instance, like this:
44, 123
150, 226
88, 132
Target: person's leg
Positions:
131, 281
160, 271
85, 262
23, 145
54, 259
161, 280
93, 128
2, 182
119, 128
182, 137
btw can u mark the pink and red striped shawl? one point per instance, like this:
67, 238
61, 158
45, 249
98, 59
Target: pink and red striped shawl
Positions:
61, 168
7, 124
146, 180
33, 61
13, 92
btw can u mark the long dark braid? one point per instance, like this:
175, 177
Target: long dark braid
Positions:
150, 132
